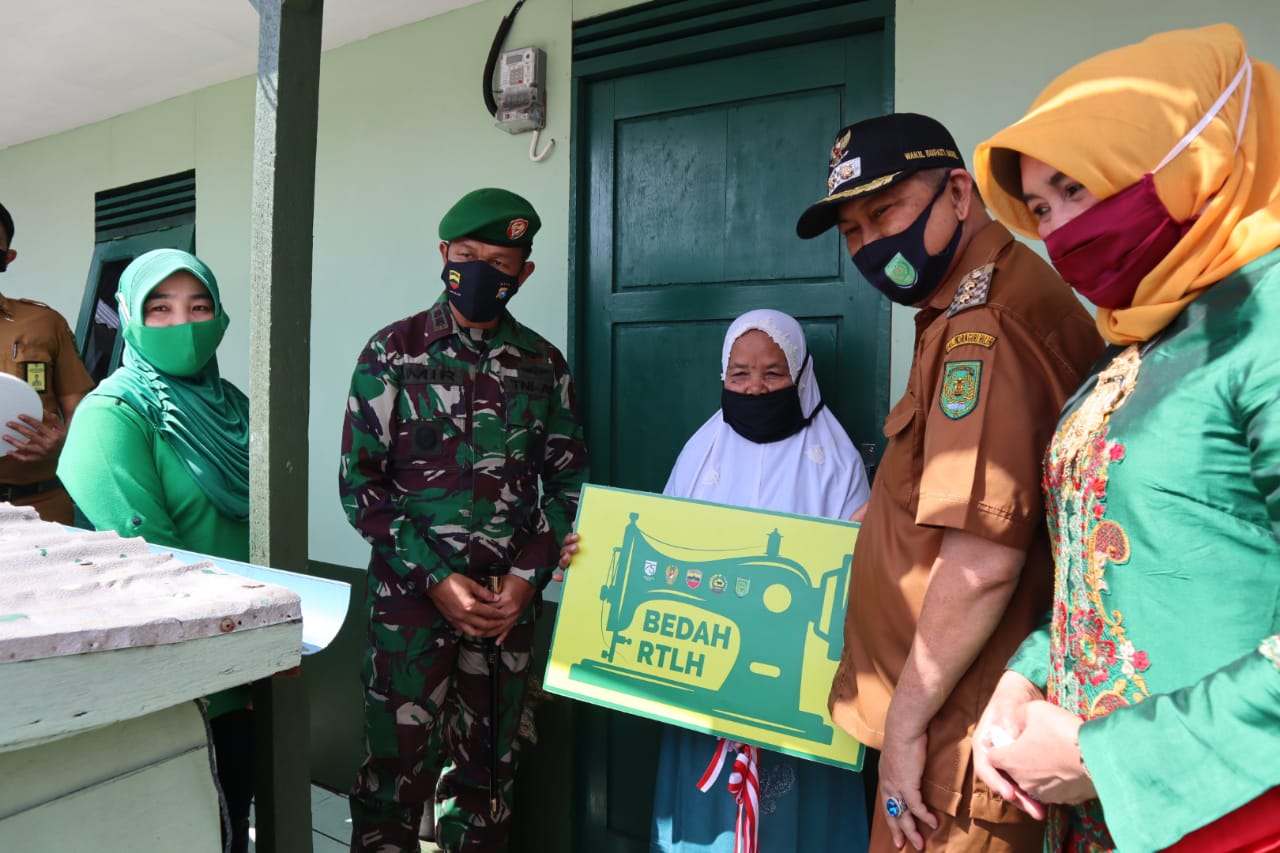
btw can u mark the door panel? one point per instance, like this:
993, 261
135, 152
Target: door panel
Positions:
696, 177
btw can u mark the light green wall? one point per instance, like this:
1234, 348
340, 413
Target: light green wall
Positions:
48, 186
403, 133
977, 66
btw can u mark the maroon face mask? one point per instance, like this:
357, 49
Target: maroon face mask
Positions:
1105, 252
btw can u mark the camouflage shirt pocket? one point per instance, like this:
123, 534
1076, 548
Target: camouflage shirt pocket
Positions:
528, 394
431, 432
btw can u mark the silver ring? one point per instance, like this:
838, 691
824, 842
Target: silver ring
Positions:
894, 806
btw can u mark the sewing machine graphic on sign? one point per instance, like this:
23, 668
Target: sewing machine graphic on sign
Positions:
659, 634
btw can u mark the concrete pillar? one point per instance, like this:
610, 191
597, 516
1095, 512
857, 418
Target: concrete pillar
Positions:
284, 167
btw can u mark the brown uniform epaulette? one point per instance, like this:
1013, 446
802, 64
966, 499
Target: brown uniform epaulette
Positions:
973, 289
31, 302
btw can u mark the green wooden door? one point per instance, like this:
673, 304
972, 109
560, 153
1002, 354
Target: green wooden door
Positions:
690, 179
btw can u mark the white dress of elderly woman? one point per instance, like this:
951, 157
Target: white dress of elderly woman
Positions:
772, 445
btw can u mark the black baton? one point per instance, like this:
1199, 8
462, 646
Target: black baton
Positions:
494, 655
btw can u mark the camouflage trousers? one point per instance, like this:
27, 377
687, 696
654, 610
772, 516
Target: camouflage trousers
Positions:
426, 712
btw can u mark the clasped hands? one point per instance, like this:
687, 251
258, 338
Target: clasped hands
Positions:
478, 612
1027, 750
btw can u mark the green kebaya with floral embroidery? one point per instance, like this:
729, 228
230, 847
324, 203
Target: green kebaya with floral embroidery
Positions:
1163, 496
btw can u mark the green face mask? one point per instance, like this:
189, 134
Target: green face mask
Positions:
181, 350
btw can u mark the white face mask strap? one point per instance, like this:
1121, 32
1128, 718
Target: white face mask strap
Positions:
1244, 109
1245, 72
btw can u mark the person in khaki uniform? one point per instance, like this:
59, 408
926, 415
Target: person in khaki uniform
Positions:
37, 346
952, 567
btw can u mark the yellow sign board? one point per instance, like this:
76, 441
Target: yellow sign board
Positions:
719, 619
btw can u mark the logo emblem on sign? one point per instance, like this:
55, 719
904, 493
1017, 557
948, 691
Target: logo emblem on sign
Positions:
959, 395
742, 587
693, 578
672, 572
650, 569
717, 583
516, 228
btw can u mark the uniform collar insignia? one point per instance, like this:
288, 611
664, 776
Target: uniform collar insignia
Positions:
973, 290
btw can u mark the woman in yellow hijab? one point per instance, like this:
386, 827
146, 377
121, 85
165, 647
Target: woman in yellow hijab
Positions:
1148, 706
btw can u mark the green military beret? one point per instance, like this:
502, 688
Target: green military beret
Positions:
493, 216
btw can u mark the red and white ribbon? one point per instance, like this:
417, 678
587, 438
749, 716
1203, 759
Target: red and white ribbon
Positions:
744, 784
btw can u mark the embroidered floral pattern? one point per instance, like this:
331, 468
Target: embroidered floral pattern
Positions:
1081, 829
1095, 666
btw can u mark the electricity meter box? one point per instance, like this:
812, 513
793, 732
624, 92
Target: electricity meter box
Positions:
522, 90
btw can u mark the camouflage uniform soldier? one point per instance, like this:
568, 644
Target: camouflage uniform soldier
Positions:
456, 416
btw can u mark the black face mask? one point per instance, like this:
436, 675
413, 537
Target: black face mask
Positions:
900, 267
765, 418
477, 290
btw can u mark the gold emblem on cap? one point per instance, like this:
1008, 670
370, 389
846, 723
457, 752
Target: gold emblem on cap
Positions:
846, 171
837, 150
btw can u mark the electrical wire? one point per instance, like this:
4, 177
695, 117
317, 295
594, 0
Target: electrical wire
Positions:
495, 49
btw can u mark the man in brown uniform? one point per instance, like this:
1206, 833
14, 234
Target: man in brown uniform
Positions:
952, 568
37, 346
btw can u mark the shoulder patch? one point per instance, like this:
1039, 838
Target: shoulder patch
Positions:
981, 339
439, 318
960, 383
973, 290
438, 321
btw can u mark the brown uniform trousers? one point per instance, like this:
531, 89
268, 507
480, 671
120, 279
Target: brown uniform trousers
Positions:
36, 345
995, 358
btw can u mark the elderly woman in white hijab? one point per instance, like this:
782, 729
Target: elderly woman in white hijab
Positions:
772, 445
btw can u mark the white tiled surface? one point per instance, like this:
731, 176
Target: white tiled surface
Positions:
330, 822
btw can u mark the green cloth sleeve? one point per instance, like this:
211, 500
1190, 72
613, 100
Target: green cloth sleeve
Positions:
1031, 660
1181, 760
108, 467
1178, 761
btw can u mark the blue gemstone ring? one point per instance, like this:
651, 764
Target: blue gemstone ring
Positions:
894, 806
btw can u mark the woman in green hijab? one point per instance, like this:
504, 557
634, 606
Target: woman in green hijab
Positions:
161, 450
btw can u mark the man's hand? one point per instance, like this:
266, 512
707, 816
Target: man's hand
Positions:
1044, 760
468, 606
512, 602
901, 769
41, 439
567, 549
1002, 722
